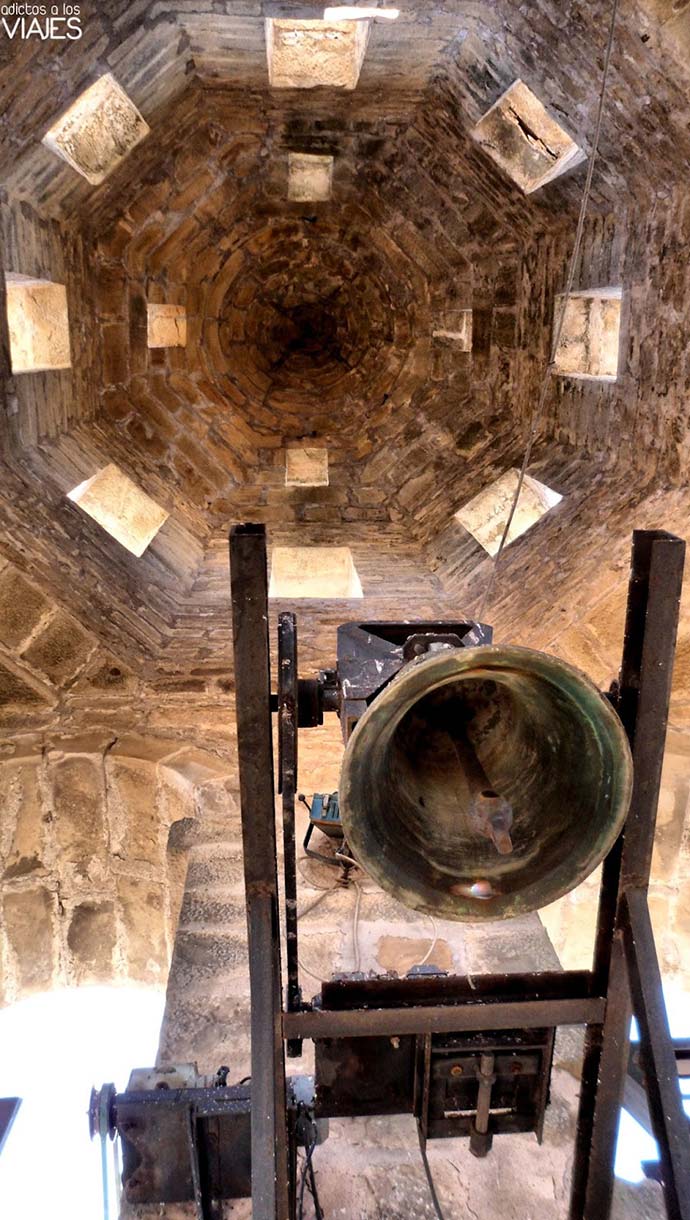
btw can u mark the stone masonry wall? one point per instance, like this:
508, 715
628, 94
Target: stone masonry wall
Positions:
94, 838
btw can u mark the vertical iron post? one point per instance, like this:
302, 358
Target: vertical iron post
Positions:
645, 685
657, 1055
249, 590
288, 711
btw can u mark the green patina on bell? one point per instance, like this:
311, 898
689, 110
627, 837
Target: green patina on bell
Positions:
484, 783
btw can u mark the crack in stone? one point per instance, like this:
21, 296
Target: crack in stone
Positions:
530, 135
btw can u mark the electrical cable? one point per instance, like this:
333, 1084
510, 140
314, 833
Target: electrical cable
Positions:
538, 412
355, 927
433, 944
311, 1183
427, 1171
307, 1134
305, 877
317, 901
328, 889
342, 859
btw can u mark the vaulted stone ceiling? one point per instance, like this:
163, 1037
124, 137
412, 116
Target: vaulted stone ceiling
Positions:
315, 322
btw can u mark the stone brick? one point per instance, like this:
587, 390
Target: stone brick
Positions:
91, 941
133, 799
21, 800
97, 130
28, 918
144, 917
17, 689
78, 809
38, 324
60, 649
21, 607
525, 140
208, 957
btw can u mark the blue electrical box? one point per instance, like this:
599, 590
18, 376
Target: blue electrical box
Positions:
325, 813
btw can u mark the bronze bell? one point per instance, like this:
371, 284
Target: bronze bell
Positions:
485, 782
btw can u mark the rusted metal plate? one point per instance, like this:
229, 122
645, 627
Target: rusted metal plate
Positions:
153, 1127
364, 1076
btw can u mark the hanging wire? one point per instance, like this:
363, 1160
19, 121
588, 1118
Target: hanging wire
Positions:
538, 412
433, 944
307, 1127
427, 1171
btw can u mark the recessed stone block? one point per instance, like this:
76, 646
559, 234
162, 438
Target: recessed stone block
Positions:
29, 927
38, 324
121, 508
166, 326
590, 337
21, 607
78, 809
22, 806
306, 467
91, 940
520, 135
132, 791
310, 177
18, 688
60, 649
457, 328
313, 571
486, 514
305, 54
98, 130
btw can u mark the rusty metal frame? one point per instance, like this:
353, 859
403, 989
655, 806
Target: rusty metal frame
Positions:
249, 589
625, 974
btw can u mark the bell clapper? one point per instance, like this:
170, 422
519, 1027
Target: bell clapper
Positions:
489, 813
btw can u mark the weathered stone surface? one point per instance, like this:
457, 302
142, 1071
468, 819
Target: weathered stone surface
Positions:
91, 940
208, 958
144, 916
59, 650
132, 803
525, 140
17, 688
316, 572
78, 809
22, 820
166, 326
121, 508
28, 920
486, 515
38, 324
21, 607
310, 177
305, 53
98, 130
306, 467
590, 334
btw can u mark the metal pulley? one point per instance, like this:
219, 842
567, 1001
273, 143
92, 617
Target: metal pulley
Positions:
483, 783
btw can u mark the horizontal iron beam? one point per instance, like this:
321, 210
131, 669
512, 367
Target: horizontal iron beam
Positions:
443, 1018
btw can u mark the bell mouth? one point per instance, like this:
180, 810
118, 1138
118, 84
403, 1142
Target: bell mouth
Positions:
485, 783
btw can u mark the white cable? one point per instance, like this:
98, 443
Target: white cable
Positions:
433, 944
